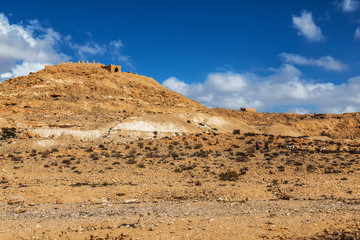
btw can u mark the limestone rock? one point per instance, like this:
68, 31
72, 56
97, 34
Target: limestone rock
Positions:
16, 200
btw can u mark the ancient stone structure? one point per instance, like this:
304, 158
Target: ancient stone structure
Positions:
113, 68
248, 109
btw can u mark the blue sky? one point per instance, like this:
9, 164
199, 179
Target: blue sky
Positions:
277, 56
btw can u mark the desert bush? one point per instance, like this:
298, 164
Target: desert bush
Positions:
281, 168
297, 163
197, 183
116, 154
101, 146
243, 170
131, 161
33, 153
202, 154
241, 159
310, 168
240, 154
45, 154
66, 161
94, 156
236, 132
198, 146
89, 149
174, 154
229, 176
7, 133
16, 158
132, 153
184, 168
105, 154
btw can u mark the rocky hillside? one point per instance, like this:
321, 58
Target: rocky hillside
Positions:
86, 101
85, 95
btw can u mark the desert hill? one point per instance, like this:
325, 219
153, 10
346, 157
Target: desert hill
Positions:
91, 153
75, 90
87, 101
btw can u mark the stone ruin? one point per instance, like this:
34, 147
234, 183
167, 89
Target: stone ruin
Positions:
62, 67
113, 68
248, 109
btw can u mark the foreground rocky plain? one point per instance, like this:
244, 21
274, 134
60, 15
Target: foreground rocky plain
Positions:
88, 154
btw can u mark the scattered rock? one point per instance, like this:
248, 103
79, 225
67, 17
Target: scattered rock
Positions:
16, 200
98, 200
131, 200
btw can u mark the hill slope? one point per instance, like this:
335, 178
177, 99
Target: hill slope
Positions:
86, 95
86, 101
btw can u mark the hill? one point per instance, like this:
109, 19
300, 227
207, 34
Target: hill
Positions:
88, 101
91, 153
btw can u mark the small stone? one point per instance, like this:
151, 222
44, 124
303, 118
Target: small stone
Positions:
130, 200
15, 200
98, 200
20, 209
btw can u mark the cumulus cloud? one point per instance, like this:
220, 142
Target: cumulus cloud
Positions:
349, 5
175, 85
326, 62
284, 89
306, 27
27, 48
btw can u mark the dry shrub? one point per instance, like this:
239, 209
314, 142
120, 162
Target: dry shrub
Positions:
229, 176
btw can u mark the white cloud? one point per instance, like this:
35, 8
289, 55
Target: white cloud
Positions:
307, 28
349, 5
27, 48
89, 49
175, 85
326, 62
116, 44
283, 89
357, 33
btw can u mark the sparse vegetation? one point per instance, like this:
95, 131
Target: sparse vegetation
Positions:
7, 133
229, 176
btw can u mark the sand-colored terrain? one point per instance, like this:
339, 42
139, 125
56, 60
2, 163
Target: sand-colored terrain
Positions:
88, 154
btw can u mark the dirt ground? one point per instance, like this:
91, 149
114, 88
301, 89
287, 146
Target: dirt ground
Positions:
196, 186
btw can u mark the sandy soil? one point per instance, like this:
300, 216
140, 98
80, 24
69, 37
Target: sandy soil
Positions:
199, 186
